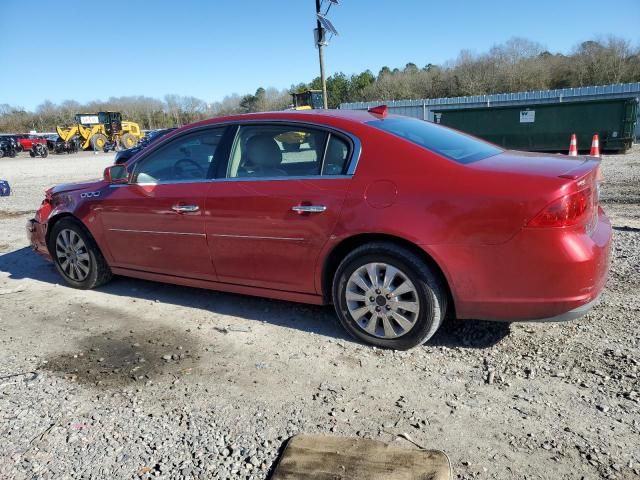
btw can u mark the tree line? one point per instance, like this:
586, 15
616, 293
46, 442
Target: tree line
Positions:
516, 65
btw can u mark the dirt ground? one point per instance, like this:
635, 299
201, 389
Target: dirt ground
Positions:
139, 380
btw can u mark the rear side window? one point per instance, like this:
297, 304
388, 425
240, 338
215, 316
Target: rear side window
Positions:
267, 151
335, 157
453, 145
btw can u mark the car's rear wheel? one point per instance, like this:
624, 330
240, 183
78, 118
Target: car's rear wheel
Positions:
387, 296
76, 255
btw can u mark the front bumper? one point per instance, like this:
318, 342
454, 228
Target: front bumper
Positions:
37, 234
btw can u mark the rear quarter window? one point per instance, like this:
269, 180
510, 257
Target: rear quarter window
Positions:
453, 145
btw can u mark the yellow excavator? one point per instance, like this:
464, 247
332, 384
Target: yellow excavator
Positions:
96, 129
307, 100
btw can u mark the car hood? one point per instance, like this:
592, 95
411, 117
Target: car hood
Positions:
70, 187
537, 164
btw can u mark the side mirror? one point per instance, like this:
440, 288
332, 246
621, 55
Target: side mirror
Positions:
116, 174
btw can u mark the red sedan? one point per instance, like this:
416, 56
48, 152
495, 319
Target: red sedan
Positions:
395, 221
27, 141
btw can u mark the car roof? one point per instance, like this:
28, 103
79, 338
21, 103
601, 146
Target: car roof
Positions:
321, 116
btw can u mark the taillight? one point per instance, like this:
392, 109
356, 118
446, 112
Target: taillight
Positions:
572, 209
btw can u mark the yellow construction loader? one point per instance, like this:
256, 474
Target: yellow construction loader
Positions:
307, 100
96, 129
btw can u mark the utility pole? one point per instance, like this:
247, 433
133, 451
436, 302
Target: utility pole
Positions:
321, 34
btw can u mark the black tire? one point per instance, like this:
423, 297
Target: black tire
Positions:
12, 153
32, 154
1, 153
98, 273
45, 152
428, 290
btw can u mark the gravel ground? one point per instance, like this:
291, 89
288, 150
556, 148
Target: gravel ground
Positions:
143, 380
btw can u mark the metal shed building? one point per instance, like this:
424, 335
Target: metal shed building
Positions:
424, 108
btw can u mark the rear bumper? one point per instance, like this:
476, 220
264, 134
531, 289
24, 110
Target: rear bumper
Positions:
571, 314
37, 234
539, 275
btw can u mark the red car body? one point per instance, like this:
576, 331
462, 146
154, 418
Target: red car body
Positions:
26, 141
490, 226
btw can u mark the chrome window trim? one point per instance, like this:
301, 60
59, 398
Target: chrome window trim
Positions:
239, 179
356, 150
324, 153
296, 177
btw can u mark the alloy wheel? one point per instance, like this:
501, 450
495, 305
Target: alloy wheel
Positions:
382, 300
72, 255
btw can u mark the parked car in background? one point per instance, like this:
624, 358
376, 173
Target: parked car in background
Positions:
8, 146
124, 155
28, 140
39, 150
57, 145
52, 139
396, 221
5, 189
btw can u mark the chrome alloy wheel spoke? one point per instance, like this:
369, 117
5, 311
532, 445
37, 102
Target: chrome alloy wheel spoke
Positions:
382, 300
72, 255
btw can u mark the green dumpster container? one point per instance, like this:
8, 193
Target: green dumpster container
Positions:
548, 127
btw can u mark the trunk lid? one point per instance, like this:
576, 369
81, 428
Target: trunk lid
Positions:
537, 164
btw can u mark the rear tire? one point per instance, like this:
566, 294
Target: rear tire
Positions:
373, 312
45, 152
32, 154
77, 256
128, 141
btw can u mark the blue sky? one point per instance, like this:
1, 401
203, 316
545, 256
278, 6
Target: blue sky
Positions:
211, 48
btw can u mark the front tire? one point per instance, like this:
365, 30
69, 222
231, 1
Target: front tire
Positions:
98, 141
387, 296
76, 255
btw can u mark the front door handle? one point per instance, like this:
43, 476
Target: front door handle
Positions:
309, 208
181, 208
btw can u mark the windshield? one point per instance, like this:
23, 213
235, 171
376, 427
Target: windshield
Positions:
446, 142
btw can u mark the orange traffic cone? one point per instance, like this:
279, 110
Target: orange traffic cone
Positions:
595, 146
573, 146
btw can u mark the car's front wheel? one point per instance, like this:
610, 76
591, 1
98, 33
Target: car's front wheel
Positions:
387, 296
76, 255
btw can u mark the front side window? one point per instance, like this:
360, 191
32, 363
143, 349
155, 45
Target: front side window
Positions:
190, 157
266, 151
453, 145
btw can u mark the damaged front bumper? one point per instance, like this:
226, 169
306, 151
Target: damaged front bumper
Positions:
37, 235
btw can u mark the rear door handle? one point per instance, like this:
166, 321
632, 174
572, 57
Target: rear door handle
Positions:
309, 208
181, 208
